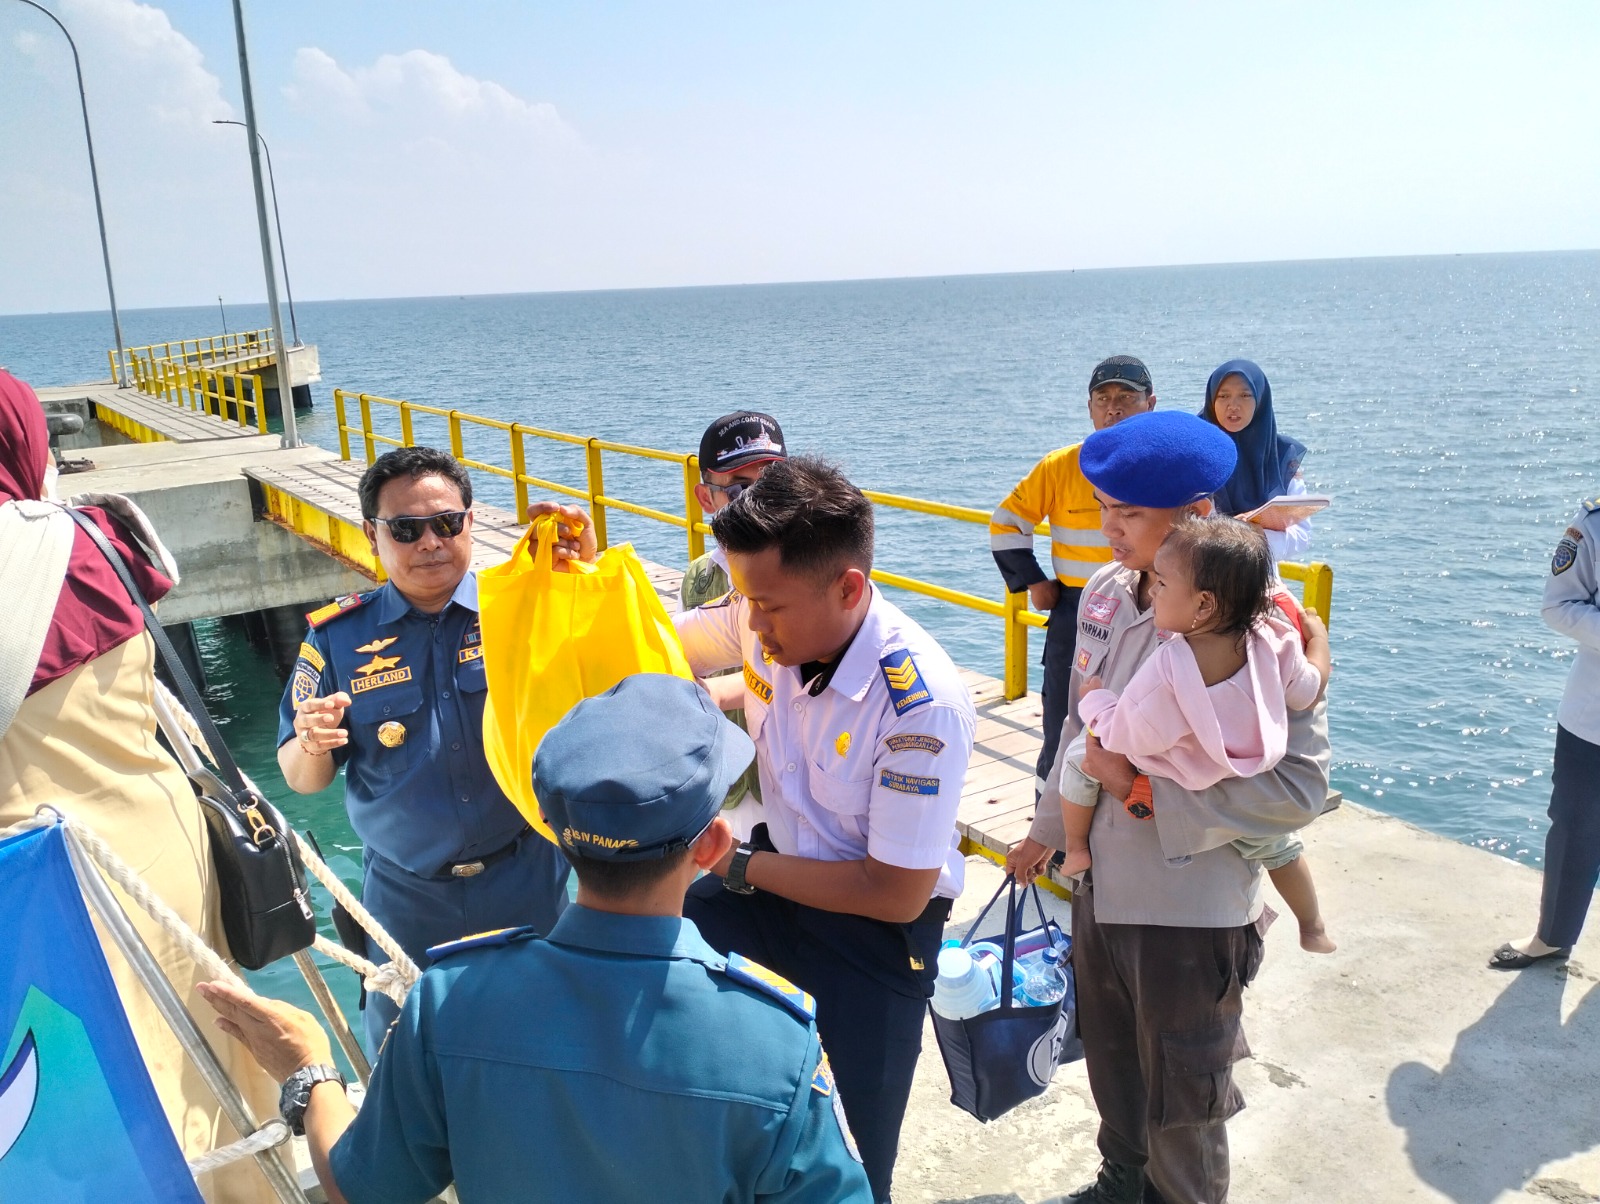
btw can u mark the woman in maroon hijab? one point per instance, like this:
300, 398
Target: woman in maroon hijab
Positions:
81, 736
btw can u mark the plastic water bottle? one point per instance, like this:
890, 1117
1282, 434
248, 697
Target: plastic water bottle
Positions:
1045, 982
962, 988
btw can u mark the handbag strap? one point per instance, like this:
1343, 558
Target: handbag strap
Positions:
227, 768
972, 929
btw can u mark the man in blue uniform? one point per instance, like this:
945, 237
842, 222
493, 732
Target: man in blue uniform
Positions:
619, 1059
390, 685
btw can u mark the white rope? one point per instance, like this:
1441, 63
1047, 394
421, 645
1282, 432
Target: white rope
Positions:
175, 710
387, 979
125, 876
394, 978
273, 1133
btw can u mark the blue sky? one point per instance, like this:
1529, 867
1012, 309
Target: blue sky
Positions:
489, 147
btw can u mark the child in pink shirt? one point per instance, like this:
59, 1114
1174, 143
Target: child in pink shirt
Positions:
1213, 701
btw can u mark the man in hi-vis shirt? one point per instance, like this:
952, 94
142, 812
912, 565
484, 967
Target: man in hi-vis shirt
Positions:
1056, 489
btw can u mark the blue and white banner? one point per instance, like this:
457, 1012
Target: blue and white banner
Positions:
79, 1118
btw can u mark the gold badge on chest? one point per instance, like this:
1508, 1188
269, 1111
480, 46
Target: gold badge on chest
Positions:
391, 734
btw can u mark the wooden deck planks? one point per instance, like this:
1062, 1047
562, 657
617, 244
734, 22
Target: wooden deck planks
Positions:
174, 423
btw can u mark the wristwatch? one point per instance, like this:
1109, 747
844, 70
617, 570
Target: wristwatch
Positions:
734, 880
295, 1097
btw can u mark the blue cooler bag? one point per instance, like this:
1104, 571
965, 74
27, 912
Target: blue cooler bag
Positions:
999, 1058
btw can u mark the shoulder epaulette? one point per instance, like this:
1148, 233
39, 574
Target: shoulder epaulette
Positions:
1591, 506
482, 940
752, 974
339, 606
906, 687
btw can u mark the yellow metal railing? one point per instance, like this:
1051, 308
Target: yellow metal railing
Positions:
148, 366
1012, 608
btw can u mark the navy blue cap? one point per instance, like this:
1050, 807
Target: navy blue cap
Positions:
640, 770
1163, 459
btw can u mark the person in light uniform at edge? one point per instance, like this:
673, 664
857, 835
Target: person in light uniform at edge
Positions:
1168, 924
863, 732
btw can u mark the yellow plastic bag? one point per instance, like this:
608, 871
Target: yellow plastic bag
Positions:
552, 639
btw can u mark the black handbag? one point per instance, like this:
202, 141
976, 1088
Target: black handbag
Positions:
999, 1058
266, 907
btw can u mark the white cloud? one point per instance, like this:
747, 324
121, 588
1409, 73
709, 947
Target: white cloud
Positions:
424, 91
140, 56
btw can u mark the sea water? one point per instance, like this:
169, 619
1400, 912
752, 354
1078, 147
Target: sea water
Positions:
1448, 405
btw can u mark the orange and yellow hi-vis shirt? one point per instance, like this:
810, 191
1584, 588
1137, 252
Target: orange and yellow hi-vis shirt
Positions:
1055, 490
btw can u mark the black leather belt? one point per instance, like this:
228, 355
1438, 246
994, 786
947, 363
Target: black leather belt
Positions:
471, 869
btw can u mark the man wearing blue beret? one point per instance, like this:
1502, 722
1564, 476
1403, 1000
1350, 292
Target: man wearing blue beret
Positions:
618, 1059
1167, 926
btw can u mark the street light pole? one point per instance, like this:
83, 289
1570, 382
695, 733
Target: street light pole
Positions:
291, 433
94, 178
277, 220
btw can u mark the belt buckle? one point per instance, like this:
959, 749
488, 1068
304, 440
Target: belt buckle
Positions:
467, 869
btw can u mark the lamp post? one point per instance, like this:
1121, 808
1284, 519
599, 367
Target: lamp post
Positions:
291, 431
94, 179
277, 220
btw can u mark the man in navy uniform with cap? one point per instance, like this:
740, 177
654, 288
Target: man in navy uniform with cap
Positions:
1167, 926
390, 685
618, 1059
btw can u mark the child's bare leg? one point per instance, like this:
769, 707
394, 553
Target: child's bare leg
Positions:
1076, 821
1300, 893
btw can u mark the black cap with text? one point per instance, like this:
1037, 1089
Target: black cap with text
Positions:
740, 438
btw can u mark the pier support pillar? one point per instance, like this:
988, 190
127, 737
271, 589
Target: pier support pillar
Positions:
184, 640
278, 630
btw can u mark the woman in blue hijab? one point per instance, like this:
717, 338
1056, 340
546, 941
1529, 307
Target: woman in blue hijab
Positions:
1239, 400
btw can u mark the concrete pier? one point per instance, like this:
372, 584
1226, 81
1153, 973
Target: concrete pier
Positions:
1399, 1068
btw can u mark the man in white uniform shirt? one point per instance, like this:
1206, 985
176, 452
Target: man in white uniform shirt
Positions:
863, 732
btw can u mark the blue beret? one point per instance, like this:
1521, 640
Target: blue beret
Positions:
1163, 459
638, 771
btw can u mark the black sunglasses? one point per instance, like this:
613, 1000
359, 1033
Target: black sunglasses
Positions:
733, 491
408, 528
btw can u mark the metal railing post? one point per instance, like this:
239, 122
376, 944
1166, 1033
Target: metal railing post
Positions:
691, 507
344, 428
111, 357
519, 471
407, 434
455, 434
1319, 590
261, 403
1016, 645
597, 489
366, 427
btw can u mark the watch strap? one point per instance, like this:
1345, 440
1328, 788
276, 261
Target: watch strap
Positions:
295, 1097
735, 880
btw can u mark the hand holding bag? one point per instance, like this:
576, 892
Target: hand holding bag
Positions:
266, 908
552, 639
999, 1058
